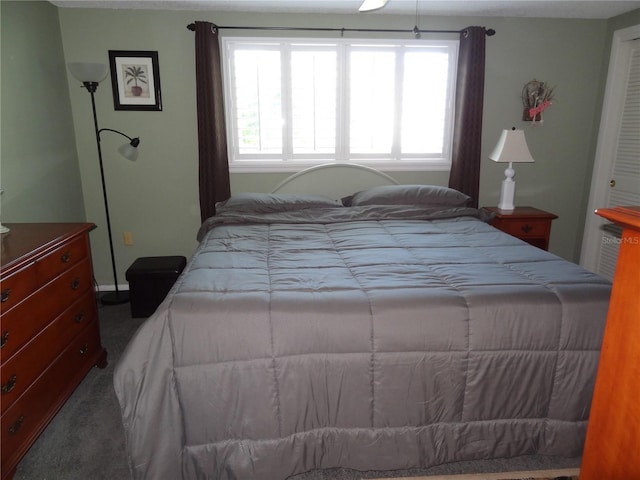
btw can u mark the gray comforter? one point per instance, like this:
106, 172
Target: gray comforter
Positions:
364, 337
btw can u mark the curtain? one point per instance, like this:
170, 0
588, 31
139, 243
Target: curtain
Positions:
467, 130
212, 136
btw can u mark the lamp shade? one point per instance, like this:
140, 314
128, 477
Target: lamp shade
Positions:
130, 150
369, 5
511, 147
88, 72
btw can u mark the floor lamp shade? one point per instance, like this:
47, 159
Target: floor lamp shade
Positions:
511, 148
129, 150
91, 74
88, 72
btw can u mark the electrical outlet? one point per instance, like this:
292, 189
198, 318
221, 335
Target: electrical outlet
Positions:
128, 238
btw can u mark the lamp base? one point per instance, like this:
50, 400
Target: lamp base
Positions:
506, 195
115, 298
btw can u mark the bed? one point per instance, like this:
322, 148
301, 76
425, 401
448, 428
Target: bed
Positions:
388, 328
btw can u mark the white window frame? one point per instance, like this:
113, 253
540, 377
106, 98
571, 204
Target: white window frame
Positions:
290, 163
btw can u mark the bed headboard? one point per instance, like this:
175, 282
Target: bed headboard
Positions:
335, 180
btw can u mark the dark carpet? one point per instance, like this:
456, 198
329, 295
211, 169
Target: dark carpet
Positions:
86, 439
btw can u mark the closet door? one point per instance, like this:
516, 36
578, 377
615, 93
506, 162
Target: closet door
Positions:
616, 178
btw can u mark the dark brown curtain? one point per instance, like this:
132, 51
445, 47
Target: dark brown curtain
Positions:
212, 130
467, 130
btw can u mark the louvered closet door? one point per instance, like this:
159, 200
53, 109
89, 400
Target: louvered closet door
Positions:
624, 184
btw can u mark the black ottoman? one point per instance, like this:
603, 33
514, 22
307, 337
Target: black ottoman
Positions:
150, 279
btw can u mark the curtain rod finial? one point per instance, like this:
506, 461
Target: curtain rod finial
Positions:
490, 32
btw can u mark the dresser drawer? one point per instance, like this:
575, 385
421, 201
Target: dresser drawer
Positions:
23, 368
21, 323
525, 228
61, 259
24, 421
17, 287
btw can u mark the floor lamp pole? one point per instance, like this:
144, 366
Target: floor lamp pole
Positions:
117, 297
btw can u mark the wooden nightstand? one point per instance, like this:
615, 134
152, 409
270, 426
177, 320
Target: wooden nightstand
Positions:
526, 223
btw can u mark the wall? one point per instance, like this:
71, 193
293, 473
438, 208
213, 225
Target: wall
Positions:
39, 167
156, 198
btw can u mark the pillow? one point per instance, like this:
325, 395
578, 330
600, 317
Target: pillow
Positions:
425, 195
275, 202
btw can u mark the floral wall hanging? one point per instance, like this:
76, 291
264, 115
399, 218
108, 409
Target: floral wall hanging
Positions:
536, 98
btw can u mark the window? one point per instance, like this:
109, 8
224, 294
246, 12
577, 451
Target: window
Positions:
296, 103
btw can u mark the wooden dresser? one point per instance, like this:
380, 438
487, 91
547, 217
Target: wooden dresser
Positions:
48, 328
612, 447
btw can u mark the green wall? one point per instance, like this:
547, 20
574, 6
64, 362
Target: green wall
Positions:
39, 166
156, 198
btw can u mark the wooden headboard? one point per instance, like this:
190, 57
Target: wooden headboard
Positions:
335, 180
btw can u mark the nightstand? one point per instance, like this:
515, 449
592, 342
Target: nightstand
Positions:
526, 223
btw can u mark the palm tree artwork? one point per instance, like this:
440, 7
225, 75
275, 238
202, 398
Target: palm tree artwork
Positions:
135, 77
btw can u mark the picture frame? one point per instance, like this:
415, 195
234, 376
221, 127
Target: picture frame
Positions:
135, 80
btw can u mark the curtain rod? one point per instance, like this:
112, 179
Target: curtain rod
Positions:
489, 32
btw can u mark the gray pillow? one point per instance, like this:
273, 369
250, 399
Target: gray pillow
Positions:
424, 195
274, 202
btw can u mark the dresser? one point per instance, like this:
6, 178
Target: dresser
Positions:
526, 223
612, 446
48, 328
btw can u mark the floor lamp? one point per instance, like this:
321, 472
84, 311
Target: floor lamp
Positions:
91, 74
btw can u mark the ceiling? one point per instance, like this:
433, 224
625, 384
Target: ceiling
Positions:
478, 8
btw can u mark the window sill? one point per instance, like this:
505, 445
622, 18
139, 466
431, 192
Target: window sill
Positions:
275, 167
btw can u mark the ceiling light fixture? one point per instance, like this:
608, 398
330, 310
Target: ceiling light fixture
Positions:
370, 5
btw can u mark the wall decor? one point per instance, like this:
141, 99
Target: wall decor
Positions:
135, 78
536, 98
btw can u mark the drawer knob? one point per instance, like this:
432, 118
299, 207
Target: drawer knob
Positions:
5, 295
79, 317
527, 228
10, 385
4, 338
84, 349
65, 258
13, 429
75, 284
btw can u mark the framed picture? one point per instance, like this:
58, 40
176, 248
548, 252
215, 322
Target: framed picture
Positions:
135, 78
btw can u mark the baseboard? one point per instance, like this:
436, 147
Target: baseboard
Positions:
111, 288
